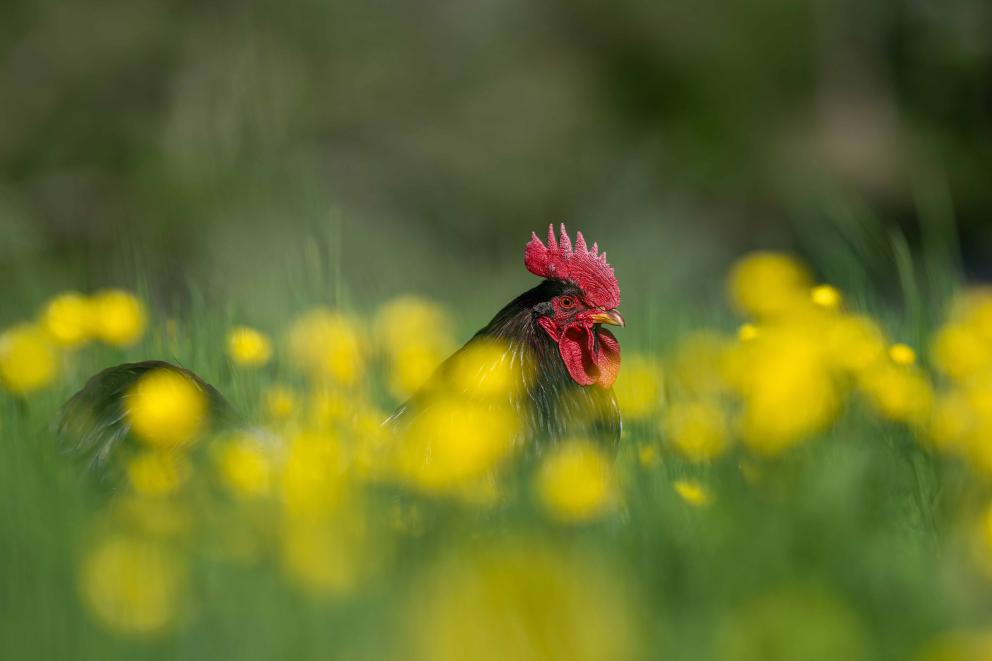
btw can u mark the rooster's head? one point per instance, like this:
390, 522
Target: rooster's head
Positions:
586, 296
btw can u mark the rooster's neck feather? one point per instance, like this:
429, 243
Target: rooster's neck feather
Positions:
554, 405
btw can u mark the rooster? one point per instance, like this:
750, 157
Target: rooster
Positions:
553, 331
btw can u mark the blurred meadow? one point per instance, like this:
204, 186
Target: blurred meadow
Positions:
312, 204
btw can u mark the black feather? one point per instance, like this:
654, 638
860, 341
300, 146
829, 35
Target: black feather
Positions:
552, 405
92, 425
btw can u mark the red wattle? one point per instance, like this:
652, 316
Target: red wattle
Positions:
590, 359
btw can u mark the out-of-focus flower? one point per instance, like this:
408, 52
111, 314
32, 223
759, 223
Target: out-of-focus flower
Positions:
747, 332
576, 482
327, 556
119, 318
133, 586
28, 359
696, 429
951, 422
415, 337
853, 343
795, 623
329, 408
521, 601
410, 368
692, 492
157, 473
959, 646
151, 516
327, 346
454, 443
899, 393
487, 370
768, 284
166, 409
902, 354
826, 296
245, 468
639, 387
279, 402
700, 364
647, 455
973, 308
248, 347
313, 477
788, 389
959, 352
409, 320
68, 318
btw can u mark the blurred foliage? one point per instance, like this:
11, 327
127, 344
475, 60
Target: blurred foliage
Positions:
202, 140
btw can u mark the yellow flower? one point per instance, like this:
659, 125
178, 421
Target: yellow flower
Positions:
248, 347
902, 354
155, 473
521, 601
853, 343
826, 297
576, 482
959, 351
245, 468
279, 402
454, 443
151, 516
899, 393
28, 360
951, 422
487, 369
166, 408
415, 336
119, 318
639, 387
313, 478
974, 309
692, 492
701, 363
68, 318
647, 455
768, 284
327, 556
697, 430
327, 346
747, 332
330, 408
410, 320
787, 388
410, 368
133, 586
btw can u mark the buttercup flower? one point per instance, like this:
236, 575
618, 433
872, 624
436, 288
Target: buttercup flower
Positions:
28, 359
576, 482
248, 347
119, 318
166, 409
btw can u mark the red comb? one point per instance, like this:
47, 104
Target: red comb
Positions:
582, 266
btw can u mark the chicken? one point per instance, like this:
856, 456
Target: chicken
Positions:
553, 331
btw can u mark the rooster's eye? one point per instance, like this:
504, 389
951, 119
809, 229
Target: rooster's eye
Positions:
567, 302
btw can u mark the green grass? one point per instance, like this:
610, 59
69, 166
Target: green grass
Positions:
848, 546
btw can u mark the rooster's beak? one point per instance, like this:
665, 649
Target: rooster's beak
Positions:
611, 317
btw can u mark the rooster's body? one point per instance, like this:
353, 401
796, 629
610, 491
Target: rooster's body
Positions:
553, 333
